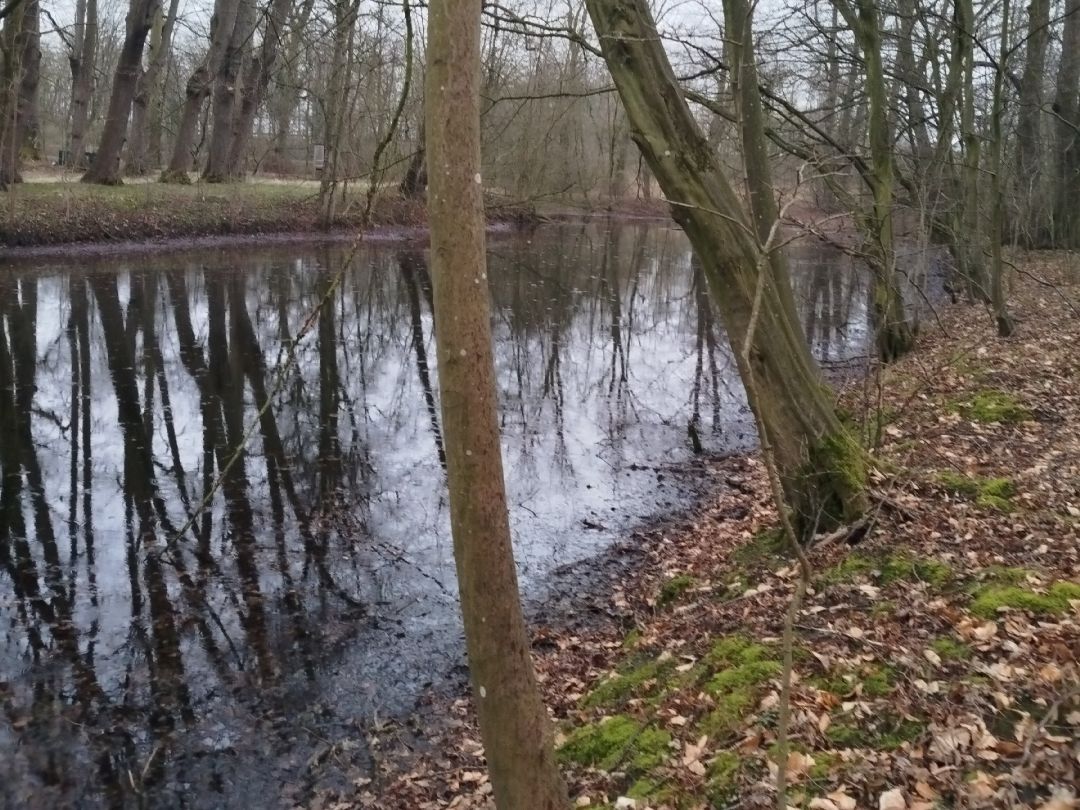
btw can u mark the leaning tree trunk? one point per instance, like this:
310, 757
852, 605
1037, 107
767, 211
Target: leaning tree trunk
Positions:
225, 94
256, 80
197, 89
83, 62
105, 169
147, 102
821, 466
517, 734
414, 182
1067, 142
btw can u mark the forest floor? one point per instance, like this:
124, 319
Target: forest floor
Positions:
935, 661
50, 211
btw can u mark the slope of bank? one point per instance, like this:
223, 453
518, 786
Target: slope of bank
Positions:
935, 658
53, 213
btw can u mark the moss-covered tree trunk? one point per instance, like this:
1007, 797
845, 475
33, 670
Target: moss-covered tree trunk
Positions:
821, 466
514, 724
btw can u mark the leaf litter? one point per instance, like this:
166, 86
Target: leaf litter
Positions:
936, 659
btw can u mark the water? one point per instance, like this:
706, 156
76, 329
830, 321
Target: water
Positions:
165, 641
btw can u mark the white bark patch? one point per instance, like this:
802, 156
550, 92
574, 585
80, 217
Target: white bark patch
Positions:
463, 353
477, 179
483, 692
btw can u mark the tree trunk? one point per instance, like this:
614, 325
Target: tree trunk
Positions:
83, 62
894, 334
415, 180
11, 78
1067, 146
1004, 321
226, 90
256, 79
822, 469
105, 169
29, 126
513, 721
1029, 152
147, 103
198, 88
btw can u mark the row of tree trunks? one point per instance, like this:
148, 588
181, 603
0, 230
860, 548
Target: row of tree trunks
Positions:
226, 91
198, 88
105, 168
82, 61
143, 149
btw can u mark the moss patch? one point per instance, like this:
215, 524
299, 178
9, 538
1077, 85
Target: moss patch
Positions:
992, 405
885, 733
879, 681
674, 588
993, 597
833, 483
636, 680
990, 493
739, 669
949, 649
887, 570
618, 741
722, 778
767, 547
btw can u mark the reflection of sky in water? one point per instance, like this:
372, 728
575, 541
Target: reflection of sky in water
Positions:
605, 348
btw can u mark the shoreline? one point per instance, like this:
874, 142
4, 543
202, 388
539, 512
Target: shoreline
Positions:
49, 220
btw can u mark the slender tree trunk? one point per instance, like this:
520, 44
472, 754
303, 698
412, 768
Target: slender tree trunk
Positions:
514, 724
29, 126
147, 102
256, 80
415, 180
226, 92
83, 62
821, 466
1029, 151
105, 169
198, 88
894, 333
1067, 142
1004, 321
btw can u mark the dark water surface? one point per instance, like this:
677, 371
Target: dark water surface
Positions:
166, 642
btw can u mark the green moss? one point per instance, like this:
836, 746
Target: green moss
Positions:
766, 547
633, 638
674, 588
894, 568
834, 683
949, 649
879, 681
636, 680
722, 778
833, 483
644, 788
882, 608
992, 405
739, 671
993, 597
989, 493
825, 765
884, 733
901, 567
614, 742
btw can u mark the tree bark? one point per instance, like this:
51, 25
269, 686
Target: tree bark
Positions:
11, 79
105, 169
256, 80
198, 88
821, 466
147, 102
226, 91
29, 126
1029, 151
82, 62
513, 721
1067, 142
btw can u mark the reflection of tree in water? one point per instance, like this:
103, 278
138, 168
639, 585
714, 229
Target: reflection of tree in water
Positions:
151, 616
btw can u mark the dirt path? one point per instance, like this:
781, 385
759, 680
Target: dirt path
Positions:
936, 661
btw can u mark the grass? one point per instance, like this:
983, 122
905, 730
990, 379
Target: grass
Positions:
989, 599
